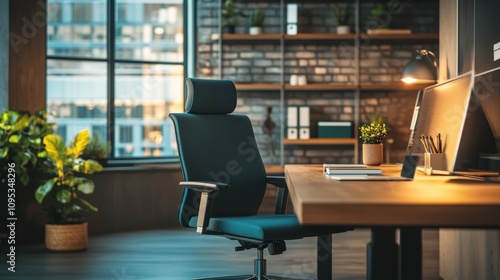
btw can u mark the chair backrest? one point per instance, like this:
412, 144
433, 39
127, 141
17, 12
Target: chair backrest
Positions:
216, 145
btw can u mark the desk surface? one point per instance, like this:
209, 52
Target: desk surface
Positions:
427, 201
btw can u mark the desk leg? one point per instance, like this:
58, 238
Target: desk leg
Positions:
324, 255
410, 253
382, 255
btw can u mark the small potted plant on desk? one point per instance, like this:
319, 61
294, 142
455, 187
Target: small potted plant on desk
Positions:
257, 21
372, 136
67, 229
342, 16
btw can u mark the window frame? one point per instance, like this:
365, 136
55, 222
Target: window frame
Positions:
111, 61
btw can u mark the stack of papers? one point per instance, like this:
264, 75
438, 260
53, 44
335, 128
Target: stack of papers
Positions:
350, 169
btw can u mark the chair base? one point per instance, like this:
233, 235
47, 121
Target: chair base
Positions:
260, 271
252, 277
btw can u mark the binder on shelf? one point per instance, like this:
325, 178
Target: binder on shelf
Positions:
304, 122
292, 16
292, 122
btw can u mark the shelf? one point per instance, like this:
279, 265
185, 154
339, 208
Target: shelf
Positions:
325, 37
321, 141
250, 87
331, 87
248, 37
322, 87
394, 86
396, 37
320, 36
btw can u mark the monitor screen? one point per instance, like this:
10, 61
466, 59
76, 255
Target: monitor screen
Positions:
487, 90
451, 110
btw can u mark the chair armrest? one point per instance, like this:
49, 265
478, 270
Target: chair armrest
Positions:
208, 191
204, 186
281, 194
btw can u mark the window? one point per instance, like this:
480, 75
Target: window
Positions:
118, 74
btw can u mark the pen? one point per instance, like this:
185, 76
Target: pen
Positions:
433, 146
440, 145
423, 143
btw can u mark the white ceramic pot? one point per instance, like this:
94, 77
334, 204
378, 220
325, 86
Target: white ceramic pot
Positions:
255, 30
343, 29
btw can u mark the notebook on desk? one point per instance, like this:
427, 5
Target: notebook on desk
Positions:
407, 173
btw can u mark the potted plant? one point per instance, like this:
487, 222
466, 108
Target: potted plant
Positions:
372, 136
341, 17
375, 18
67, 229
97, 149
257, 21
230, 16
21, 144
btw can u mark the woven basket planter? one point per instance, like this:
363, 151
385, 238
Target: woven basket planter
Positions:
66, 237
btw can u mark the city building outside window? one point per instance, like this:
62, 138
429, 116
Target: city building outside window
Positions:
117, 73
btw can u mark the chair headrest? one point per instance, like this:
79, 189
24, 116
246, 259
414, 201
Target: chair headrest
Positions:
205, 96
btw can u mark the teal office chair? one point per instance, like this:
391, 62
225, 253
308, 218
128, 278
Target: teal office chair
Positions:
225, 179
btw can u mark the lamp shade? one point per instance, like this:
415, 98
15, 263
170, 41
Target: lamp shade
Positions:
422, 69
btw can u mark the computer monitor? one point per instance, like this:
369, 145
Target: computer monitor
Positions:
452, 110
487, 90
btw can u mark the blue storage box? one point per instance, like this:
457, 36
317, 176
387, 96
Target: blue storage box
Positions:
334, 129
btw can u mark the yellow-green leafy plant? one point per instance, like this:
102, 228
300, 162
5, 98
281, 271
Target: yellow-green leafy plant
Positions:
65, 187
21, 144
373, 133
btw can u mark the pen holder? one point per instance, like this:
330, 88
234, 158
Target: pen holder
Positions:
435, 161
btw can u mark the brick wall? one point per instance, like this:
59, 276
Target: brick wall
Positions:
321, 62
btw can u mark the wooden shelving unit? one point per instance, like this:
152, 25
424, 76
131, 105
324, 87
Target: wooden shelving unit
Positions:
325, 37
308, 87
251, 87
285, 44
393, 86
321, 141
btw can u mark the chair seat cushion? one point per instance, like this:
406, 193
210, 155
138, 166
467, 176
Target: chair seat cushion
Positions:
265, 227
261, 227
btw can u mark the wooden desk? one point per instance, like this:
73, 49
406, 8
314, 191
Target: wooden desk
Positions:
427, 201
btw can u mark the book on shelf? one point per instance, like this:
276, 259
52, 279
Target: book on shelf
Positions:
350, 169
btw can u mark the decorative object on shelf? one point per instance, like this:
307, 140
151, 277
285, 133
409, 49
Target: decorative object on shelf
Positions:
66, 207
298, 80
422, 69
372, 136
334, 129
378, 17
257, 21
268, 129
302, 80
341, 16
292, 18
230, 17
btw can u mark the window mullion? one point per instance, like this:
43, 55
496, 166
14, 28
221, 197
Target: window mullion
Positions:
111, 75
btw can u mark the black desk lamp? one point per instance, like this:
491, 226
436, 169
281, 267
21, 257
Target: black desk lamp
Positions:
422, 69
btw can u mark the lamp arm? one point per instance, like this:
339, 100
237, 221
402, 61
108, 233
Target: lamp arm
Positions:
431, 57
